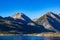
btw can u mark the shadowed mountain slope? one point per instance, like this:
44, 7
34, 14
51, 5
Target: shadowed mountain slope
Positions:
50, 21
20, 24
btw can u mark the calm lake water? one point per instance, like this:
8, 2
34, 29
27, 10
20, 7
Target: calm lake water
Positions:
28, 38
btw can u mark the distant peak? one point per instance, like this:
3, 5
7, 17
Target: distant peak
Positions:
59, 14
17, 15
49, 13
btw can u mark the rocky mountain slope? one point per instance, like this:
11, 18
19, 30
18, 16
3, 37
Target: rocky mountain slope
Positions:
20, 24
50, 21
19, 17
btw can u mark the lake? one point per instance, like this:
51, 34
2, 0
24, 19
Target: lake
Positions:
28, 38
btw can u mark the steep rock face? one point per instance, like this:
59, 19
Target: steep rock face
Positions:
50, 21
35, 19
58, 14
19, 17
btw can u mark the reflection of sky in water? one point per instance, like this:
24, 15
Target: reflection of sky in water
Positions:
27, 38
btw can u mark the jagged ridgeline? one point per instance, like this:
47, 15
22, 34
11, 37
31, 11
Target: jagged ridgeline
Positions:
19, 23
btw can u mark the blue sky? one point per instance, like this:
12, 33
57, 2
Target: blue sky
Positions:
31, 8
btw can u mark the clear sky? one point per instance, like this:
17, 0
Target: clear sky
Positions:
31, 8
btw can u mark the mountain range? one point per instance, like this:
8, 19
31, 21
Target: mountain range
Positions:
19, 23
